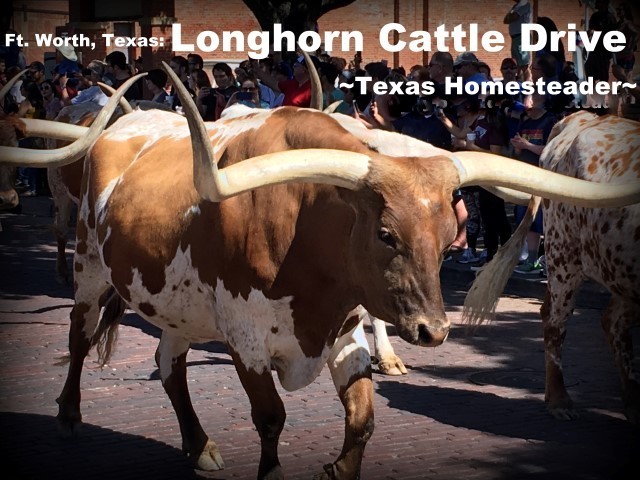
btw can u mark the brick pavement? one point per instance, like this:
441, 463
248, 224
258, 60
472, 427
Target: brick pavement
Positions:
472, 408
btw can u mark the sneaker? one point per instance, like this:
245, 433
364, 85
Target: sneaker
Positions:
29, 193
524, 253
468, 256
542, 261
529, 268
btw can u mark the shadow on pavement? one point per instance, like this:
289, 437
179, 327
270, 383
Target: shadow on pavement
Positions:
107, 454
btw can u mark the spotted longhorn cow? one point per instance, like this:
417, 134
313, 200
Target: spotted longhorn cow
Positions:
265, 230
581, 243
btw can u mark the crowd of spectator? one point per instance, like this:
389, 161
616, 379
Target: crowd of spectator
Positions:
511, 125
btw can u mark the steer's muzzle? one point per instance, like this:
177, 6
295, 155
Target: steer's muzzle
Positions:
424, 333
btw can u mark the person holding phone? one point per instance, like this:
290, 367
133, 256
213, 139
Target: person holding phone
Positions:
249, 95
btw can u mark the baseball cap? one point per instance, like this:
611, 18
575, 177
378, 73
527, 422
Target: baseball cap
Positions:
465, 57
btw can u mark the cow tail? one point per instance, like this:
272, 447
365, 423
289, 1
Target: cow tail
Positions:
106, 334
482, 298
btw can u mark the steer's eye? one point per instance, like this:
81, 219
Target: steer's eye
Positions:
386, 236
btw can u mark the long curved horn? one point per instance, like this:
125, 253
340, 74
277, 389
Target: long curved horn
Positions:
63, 156
49, 129
509, 195
11, 83
334, 167
316, 86
479, 168
333, 107
110, 91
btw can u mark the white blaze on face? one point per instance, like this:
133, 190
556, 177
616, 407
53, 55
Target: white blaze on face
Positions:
426, 202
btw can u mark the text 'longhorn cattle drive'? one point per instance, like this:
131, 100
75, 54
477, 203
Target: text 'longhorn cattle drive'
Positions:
264, 230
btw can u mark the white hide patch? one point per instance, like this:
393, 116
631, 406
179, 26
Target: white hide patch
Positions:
349, 356
101, 203
260, 330
388, 143
425, 202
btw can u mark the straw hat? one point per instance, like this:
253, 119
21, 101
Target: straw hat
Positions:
68, 52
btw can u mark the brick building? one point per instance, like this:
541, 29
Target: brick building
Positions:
147, 18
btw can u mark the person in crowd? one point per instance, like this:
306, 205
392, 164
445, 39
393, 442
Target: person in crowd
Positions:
14, 98
485, 69
625, 59
195, 62
36, 72
31, 180
51, 99
598, 61
328, 74
67, 62
531, 136
509, 71
467, 66
120, 72
156, 81
440, 68
423, 123
466, 111
519, 14
489, 134
338, 62
558, 54
297, 91
180, 67
544, 66
245, 71
206, 99
89, 89
249, 95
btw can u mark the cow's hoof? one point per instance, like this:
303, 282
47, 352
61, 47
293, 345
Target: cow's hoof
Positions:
563, 413
275, 474
328, 473
392, 366
210, 458
68, 428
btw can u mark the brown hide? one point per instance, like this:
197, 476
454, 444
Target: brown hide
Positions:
11, 130
317, 244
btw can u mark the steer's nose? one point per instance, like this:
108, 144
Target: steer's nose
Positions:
430, 336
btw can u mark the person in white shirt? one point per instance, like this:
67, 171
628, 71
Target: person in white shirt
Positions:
92, 93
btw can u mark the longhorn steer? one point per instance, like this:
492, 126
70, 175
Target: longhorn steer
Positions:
600, 244
309, 218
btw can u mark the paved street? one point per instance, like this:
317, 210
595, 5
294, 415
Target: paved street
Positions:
470, 409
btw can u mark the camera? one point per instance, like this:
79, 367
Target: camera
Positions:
242, 96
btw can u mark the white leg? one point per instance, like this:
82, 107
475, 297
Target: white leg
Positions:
388, 362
